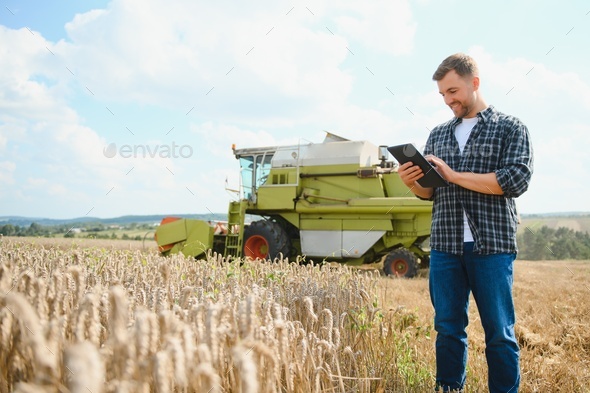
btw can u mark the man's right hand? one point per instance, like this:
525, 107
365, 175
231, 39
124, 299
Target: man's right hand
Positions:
409, 174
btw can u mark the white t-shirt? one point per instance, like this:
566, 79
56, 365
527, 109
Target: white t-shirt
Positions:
462, 132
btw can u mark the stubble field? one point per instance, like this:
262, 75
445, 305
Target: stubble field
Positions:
106, 317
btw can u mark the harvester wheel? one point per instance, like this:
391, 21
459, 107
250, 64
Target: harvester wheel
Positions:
400, 263
266, 240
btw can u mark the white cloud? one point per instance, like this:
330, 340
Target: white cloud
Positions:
233, 62
253, 62
385, 26
6, 173
528, 84
43, 137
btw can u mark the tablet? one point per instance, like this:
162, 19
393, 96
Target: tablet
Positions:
408, 152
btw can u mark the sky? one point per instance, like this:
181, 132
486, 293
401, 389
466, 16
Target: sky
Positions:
130, 107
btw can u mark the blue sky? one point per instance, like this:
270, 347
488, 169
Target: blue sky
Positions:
78, 78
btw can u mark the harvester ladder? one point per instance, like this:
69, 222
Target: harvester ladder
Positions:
235, 228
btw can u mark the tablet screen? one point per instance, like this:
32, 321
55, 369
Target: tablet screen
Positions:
408, 152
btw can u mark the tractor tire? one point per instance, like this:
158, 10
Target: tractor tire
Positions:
400, 263
266, 240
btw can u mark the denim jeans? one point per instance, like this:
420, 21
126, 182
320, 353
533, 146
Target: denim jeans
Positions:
489, 277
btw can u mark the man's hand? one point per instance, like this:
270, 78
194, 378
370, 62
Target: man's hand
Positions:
442, 168
409, 174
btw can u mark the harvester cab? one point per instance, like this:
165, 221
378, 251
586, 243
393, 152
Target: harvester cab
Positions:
255, 166
338, 200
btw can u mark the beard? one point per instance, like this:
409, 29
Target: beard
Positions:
461, 110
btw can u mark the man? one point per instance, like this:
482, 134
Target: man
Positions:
487, 158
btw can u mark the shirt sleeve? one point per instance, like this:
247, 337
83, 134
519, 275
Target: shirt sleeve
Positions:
516, 165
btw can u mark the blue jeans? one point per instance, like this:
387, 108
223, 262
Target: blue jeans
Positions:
489, 277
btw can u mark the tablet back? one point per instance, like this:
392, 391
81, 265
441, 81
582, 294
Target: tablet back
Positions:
408, 152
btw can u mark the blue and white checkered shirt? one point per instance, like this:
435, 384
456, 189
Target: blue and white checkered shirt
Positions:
498, 143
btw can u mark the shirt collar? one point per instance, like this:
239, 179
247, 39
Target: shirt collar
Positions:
483, 116
486, 114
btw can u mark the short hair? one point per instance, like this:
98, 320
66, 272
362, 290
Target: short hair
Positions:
463, 65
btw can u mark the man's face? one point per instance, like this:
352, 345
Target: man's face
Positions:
459, 93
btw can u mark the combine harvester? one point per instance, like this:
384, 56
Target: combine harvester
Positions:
339, 200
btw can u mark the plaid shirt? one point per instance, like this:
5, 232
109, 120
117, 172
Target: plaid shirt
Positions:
498, 143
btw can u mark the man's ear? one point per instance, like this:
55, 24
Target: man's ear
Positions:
475, 82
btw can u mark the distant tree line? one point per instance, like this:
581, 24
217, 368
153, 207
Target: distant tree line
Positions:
32, 230
550, 244
534, 244
94, 231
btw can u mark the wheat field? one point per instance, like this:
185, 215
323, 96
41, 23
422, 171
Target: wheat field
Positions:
96, 318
